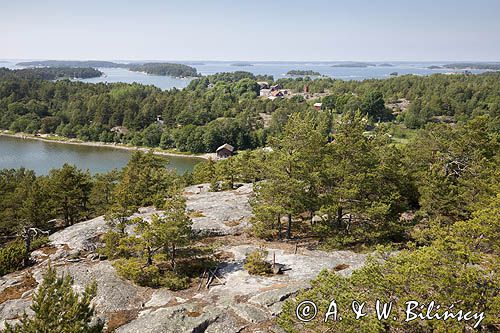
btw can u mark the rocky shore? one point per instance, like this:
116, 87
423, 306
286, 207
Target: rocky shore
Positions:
102, 144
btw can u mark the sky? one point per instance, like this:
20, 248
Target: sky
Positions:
307, 30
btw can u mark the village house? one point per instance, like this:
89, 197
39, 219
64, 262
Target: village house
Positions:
225, 151
263, 85
273, 93
277, 93
318, 106
120, 130
276, 87
159, 119
265, 92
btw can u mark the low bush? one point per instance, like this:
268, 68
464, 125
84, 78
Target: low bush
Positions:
150, 276
173, 281
256, 264
12, 255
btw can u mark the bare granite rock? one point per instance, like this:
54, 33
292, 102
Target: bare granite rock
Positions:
14, 308
219, 213
80, 236
179, 318
250, 313
113, 293
226, 323
271, 297
243, 302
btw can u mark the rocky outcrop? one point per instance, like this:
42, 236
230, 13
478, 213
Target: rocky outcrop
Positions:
219, 213
238, 302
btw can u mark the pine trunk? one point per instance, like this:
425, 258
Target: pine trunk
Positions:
289, 227
27, 244
280, 236
173, 257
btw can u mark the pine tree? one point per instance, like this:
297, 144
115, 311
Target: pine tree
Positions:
290, 189
70, 192
59, 309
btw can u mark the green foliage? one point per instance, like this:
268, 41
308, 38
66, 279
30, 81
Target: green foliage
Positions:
144, 182
223, 107
297, 72
58, 308
70, 191
24, 201
101, 195
47, 73
256, 263
373, 105
292, 178
459, 268
12, 254
135, 270
357, 186
455, 169
177, 70
149, 256
458, 96
355, 183
174, 281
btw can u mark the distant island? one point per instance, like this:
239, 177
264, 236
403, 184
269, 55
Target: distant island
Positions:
50, 73
354, 64
297, 72
165, 68
385, 65
474, 65
72, 63
241, 64
435, 67
157, 68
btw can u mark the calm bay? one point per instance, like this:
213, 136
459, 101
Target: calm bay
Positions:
42, 156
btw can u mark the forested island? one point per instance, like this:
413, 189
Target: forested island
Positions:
50, 73
241, 64
394, 181
71, 63
472, 65
156, 68
354, 64
176, 70
297, 72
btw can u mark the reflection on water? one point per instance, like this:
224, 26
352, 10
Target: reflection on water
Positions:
42, 156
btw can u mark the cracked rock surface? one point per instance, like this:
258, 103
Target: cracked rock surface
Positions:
243, 303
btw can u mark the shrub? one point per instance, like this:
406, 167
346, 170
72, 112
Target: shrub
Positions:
133, 269
256, 264
174, 282
150, 276
12, 255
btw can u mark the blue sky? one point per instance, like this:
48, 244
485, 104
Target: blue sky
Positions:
306, 30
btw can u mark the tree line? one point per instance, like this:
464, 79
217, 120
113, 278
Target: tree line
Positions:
224, 108
430, 208
353, 187
49, 73
163, 68
33, 206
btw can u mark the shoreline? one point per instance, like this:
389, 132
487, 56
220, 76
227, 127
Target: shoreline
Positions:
77, 142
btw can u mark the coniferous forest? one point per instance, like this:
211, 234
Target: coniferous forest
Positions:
416, 186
